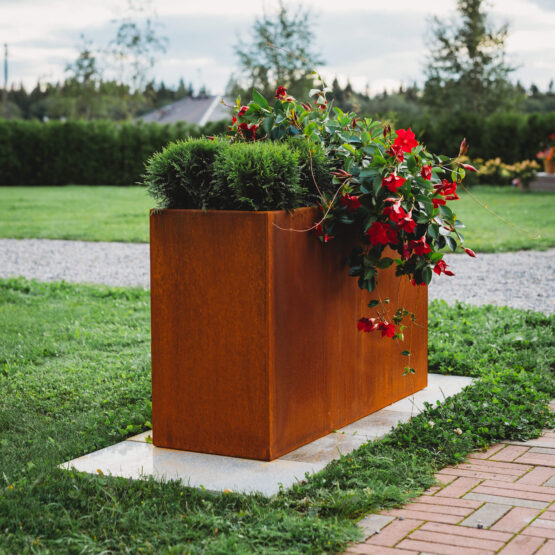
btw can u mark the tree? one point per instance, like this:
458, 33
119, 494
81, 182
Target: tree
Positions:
137, 44
467, 70
279, 53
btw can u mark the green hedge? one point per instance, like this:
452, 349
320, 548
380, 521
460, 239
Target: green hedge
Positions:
81, 152
509, 136
108, 153
214, 174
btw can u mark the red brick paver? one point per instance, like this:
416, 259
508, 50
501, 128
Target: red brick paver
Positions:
437, 522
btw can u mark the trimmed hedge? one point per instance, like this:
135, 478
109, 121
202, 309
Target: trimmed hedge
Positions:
215, 174
509, 136
81, 152
109, 153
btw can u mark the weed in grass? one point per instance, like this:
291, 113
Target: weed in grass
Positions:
74, 373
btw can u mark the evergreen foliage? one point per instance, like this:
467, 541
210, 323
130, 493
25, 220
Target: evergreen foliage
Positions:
467, 70
212, 174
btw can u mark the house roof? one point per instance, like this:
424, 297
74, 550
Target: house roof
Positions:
199, 110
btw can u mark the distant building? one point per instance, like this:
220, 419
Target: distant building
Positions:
199, 110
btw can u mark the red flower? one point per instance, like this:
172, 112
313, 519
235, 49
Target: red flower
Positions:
441, 266
470, 252
426, 172
242, 111
351, 202
420, 247
463, 149
439, 202
367, 325
395, 211
405, 139
408, 224
233, 120
469, 168
396, 152
319, 230
406, 252
281, 92
445, 188
423, 283
387, 329
393, 182
381, 234
552, 136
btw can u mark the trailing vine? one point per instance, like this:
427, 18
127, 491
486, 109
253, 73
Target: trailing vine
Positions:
389, 187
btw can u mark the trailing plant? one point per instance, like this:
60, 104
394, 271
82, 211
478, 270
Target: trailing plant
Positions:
387, 187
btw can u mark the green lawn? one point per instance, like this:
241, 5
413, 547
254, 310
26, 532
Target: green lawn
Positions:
121, 214
88, 213
75, 377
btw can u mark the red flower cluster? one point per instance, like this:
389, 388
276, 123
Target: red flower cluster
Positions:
447, 189
396, 152
370, 324
281, 92
439, 202
420, 247
367, 325
351, 202
405, 139
397, 215
441, 266
393, 182
242, 111
381, 234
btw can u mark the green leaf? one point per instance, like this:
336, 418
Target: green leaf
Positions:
451, 243
260, 100
267, 123
384, 263
427, 275
373, 303
406, 353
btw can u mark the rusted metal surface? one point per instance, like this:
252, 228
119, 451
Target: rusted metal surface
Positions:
255, 349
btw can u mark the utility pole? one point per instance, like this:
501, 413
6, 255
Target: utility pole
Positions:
5, 91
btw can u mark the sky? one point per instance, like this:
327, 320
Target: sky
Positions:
369, 42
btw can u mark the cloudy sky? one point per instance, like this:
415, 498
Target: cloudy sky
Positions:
367, 41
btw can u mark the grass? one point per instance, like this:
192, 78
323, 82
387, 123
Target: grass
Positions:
78, 212
74, 376
121, 214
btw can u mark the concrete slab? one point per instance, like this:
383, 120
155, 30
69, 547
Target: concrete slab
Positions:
137, 458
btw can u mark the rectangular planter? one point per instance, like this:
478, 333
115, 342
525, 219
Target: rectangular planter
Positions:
255, 348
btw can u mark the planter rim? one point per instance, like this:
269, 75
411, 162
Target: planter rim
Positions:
213, 211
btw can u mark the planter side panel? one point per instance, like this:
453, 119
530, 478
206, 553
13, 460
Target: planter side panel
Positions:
210, 390
326, 373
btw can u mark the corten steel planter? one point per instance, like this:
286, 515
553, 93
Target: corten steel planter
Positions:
549, 166
255, 348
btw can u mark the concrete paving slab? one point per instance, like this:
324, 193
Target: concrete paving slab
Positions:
137, 458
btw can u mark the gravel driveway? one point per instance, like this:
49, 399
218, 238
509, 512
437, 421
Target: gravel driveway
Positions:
522, 279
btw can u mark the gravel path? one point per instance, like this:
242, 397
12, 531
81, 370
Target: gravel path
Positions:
521, 279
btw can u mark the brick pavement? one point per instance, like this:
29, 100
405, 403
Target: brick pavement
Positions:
498, 501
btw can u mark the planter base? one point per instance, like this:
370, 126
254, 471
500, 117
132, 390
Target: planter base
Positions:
255, 349
136, 458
